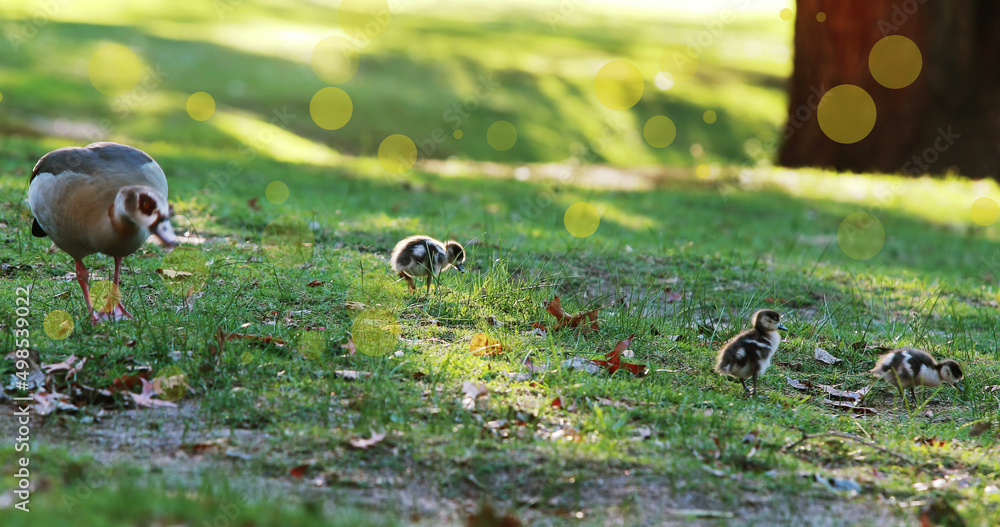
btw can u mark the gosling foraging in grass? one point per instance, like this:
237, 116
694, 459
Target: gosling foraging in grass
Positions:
909, 368
748, 355
419, 255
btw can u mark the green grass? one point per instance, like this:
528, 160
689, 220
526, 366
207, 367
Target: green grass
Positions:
619, 449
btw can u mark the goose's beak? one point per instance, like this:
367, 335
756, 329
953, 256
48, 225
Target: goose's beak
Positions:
782, 327
959, 386
165, 232
460, 267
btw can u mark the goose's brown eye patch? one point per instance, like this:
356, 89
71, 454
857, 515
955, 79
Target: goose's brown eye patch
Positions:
147, 205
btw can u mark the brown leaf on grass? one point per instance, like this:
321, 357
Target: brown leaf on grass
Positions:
173, 274
315, 283
584, 321
804, 386
530, 366
126, 382
483, 344
613, 360
843, 405
352, 350
844, 395
49, 402
930, 441
980, 428
298, 472
214, 446
363, 444
263, 339
71, 364
487, 517
252, 203
557, 402
146, 397
825, 357
356, 306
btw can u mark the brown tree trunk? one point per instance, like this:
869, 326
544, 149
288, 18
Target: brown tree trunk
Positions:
948, 119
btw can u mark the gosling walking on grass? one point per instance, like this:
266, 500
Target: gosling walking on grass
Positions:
909, 368
423, 256
748, 355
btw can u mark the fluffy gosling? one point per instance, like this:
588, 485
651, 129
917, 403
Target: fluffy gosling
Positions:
909, 368
419, 256
748, 355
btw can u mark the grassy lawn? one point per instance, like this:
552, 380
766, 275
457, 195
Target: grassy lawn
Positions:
272, 429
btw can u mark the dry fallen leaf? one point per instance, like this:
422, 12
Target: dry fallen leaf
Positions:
315, 283
824, 356
173, 274
263, 339
299, 471
362, 443
48, 402
470, 392
842, 405
980, 428
352, 350
584, 322
214, 446
483, 344
487, 517
799, 385
146, 397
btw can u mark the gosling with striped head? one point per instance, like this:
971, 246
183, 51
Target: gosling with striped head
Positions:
423, 256
748, 355
908, 368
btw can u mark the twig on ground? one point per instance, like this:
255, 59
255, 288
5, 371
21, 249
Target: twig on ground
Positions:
806, 437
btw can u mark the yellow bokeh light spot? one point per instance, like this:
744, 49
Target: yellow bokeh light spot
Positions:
985, 211
458, 134
703, 171
710, 116
288, 241
618, 85
785, 14
184, 270
364, 19
246, 358
375, 332
1, 95
114, 69
335, 60
312, 344
200, 106
582, 219
331, 108
861, 236
659, 131
105, 296
58, 324
501, 135
397, 153
846, 114
170, 383
895, 62
276, 192
679, 63
821, 17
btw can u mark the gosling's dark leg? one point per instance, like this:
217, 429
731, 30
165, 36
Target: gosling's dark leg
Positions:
755, 385
744, 383
429, 277
409, 281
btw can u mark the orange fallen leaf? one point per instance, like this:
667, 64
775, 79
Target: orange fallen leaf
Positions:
315, 283
584, 322
264, 339
483, 344
298, 472
557, 402
613, 360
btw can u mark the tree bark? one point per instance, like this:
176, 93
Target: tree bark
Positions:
947, 120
